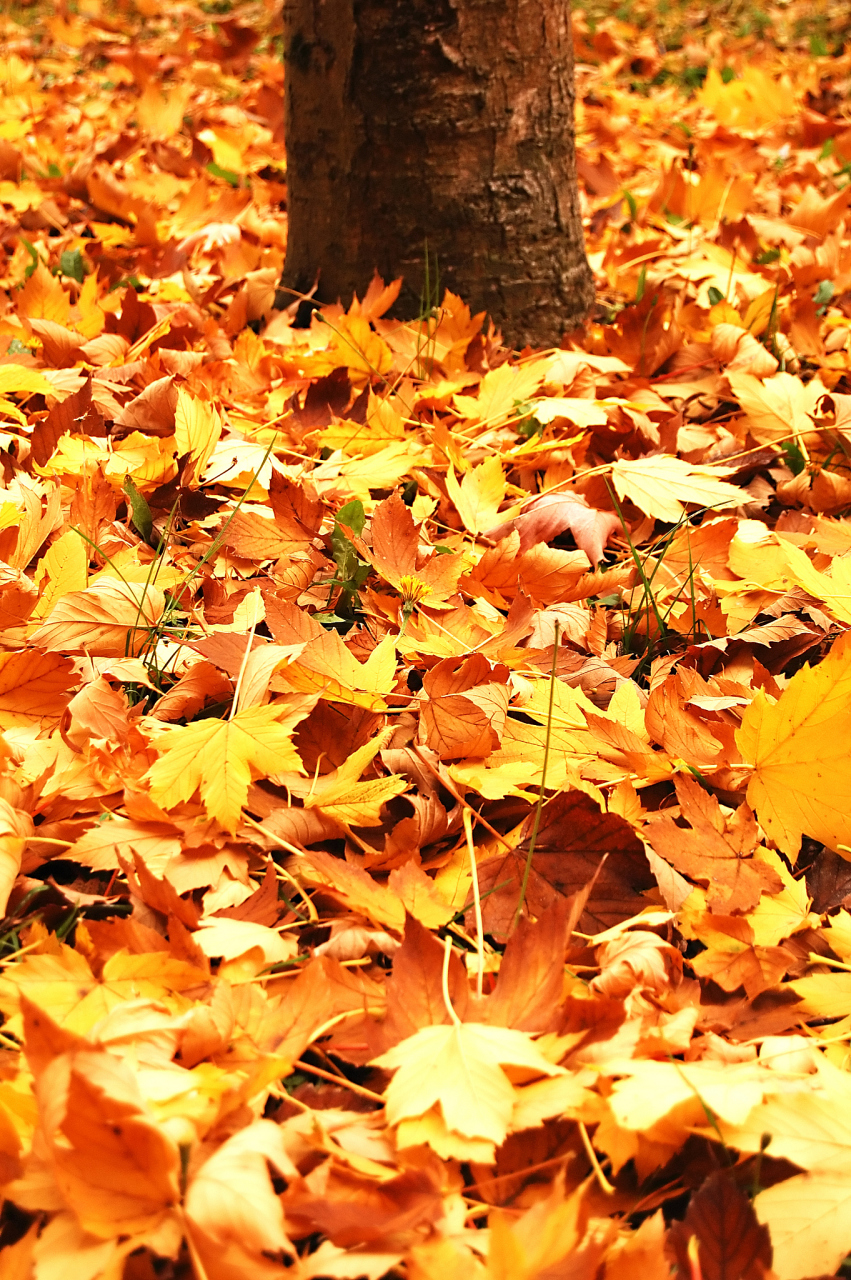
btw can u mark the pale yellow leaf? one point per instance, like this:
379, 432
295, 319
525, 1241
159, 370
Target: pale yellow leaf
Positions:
197, 428
809, 1217
661, 485
231, 1197
457, 1066
778, 407
583, 413
221, 936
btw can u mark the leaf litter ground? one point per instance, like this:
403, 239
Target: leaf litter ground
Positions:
424, 777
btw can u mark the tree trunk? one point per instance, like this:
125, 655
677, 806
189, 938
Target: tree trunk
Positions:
438, 123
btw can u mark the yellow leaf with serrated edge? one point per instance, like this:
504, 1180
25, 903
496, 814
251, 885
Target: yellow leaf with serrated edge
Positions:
64, 986
219, 758
328, 668
197, 428
357, 348
360, 804
798, 747
777, 407
340, 796
477, 498
62, 568
503, 392
659, 486
458, 1066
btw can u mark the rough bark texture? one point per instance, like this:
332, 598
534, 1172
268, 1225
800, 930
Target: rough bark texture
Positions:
446, 122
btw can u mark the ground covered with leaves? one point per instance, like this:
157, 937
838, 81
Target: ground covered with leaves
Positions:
425, 813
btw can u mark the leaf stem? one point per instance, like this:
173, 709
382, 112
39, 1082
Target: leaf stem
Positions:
527, 870
477, 902
444, 978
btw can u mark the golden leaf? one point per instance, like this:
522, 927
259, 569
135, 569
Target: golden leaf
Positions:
798, 747
218, 758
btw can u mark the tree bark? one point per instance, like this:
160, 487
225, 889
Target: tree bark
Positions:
445, 124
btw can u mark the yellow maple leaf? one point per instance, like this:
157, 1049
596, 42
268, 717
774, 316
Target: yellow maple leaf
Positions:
197, 428
777, 406
328, 668
63, 568
798, 747
477, 498
342, 797
502, 390
458, 1066
659, 486
61, 983
356, 347
219, 758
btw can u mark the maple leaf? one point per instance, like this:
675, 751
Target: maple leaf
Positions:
478, 496
800, 783
661, 485
457, 1067
218, 758
466, 708
721, 854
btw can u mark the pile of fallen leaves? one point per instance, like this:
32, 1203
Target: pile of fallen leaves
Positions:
424, 796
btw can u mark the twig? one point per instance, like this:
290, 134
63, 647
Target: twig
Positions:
444, 978
341, 1080
605, 1185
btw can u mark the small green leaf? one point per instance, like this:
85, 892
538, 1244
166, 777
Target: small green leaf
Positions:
71, 264
715, 296
824, 293
227, 175
795, 459
140, 512
32, 252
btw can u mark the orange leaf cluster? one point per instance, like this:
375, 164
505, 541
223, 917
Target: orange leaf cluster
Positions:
424, 798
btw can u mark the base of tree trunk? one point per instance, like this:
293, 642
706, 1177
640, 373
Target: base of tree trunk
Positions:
439, 127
